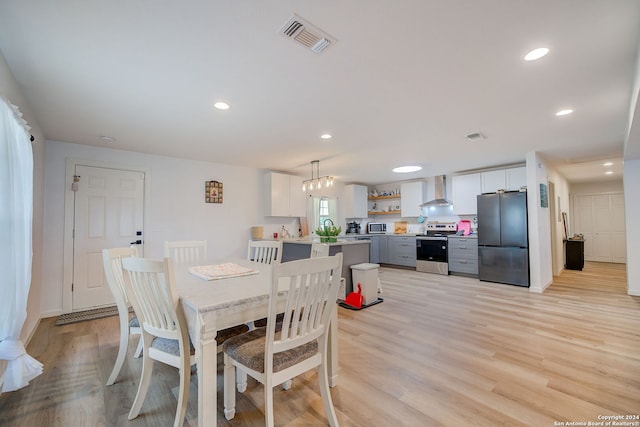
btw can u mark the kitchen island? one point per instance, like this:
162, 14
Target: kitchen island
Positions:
353, 252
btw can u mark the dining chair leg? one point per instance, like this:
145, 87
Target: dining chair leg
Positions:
143, 387
183, 394
229, 388
122, 350
323, 382
268, 403
241, 380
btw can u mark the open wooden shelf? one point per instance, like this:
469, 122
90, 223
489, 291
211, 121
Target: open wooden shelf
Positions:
393, 196
384, 212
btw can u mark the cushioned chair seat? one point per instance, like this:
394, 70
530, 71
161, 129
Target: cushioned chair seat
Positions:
263, 322
248, 349
225, 334
170, 346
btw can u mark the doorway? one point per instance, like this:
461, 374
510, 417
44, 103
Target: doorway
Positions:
104, 208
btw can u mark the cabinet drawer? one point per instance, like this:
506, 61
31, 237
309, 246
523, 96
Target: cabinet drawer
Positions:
402, 251
463, 265
462, 243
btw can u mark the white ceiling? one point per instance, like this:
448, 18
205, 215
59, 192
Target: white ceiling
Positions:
405, 82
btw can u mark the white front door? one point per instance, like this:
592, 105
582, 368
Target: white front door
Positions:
108, 214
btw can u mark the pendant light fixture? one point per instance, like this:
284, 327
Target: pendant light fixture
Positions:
317, 182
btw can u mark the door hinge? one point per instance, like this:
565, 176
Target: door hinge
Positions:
73, 233
72, 287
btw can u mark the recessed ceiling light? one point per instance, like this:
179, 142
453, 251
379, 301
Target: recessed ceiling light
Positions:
407, 169
608, 173
564, 112
221, 105
608, 164
536, 54
326, 136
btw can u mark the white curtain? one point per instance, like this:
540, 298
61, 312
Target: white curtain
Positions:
16, 212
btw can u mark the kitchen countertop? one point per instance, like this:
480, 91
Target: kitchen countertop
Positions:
308, 241
350, 239
470, 236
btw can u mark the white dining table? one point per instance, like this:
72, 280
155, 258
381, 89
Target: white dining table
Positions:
213, 305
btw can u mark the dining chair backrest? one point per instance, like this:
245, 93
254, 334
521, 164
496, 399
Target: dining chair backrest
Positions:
264, 251
186, 252
312, 288
154, 297
112, 263
319, 249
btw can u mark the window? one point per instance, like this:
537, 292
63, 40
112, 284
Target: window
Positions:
323, 212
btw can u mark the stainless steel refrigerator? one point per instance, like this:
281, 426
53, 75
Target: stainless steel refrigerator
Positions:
503, 244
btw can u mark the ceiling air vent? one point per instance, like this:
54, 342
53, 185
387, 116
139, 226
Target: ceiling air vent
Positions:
476, 136
306, 34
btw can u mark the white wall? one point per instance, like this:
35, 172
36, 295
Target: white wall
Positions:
632, 213
176, 208
615, 186
539, 225
10, 90
562, 204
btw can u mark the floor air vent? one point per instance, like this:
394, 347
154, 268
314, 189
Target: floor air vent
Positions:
306, 34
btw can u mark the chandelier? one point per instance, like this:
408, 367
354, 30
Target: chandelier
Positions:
317, 182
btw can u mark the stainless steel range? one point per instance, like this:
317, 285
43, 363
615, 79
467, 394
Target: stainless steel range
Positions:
431, 248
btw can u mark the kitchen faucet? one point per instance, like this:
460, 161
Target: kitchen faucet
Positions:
324, 223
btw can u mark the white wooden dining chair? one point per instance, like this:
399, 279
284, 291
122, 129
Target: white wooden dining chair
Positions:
112, 263
319, 249
281, 351
264, 251
186, 252
151, 286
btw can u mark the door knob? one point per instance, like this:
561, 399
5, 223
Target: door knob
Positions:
137, 242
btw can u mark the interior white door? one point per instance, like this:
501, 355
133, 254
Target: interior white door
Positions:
108, 214
600, 218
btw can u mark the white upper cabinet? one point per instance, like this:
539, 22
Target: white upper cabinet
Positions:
355, 201
465, 193
284, 195
504, 179
412, 195
516, 178
493, 181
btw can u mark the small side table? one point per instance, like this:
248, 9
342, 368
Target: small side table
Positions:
574, 254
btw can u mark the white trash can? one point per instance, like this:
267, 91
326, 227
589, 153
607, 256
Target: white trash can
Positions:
367, 275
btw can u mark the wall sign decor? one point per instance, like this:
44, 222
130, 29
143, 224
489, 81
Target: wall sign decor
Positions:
544, 196
213, 192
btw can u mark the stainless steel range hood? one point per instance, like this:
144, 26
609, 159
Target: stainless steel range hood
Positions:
440, 195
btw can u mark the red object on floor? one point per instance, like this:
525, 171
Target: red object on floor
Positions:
355, 299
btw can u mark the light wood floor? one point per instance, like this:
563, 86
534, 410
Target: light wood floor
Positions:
440, 351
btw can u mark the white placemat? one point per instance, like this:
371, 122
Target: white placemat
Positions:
221, 271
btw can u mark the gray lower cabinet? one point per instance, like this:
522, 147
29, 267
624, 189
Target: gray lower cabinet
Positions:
402, 250
463, 255
374, 252
383, 249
